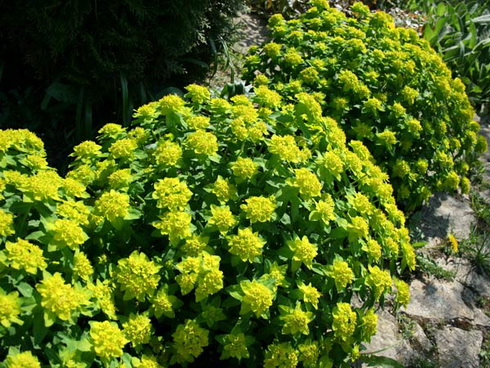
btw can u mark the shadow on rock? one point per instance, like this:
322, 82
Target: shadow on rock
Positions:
443, 215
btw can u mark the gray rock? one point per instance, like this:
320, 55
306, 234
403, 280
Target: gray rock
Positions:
444, 301
485, 194
467, 275
459, 348
253, 31
445, 215
388, 341
419, 340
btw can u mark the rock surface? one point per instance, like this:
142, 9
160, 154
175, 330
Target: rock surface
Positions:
445, 301
445, 215
388, 341
459, 348
419, 340
254, 32
467, 274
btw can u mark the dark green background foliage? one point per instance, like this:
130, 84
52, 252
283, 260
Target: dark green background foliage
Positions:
66, 61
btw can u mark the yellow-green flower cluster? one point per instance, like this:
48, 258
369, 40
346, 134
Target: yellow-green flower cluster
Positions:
403, 292
198, 122
73, 210
358, 227
304, 251
146, 362
257, 297
171, 193
244, 168
344, 321
123, 148
43, 186
168, 153
175, 224
307, 182
281, 355
224, 190
120, 179
59, 299
246, 244
86, 150
197, 93
324, 209
82, 267
22, 360
11, 304
171, 104
108, 339
235, 346
189, 341
202, 143
267, 97
342, 274
137, 276
112, 205
222, 218
259, 209
26, 256
68, 233
379, 280
310, 294
21, 140
137, 329
202, 273
296, 321
103, 294
286, 148
369, 324
163, 304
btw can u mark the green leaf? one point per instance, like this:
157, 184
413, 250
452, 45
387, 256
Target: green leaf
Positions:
194, 61
39, 330
236, 295
49, 318
429, 33
385, 362
126, 110
63, 92
482, 19
441, 10
221, 339
84, 345
53, 356
319, 269
36, 235
126, 358
133, 214
25, 289
245, 308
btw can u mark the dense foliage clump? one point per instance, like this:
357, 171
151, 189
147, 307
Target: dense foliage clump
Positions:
384, 85
244, 230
